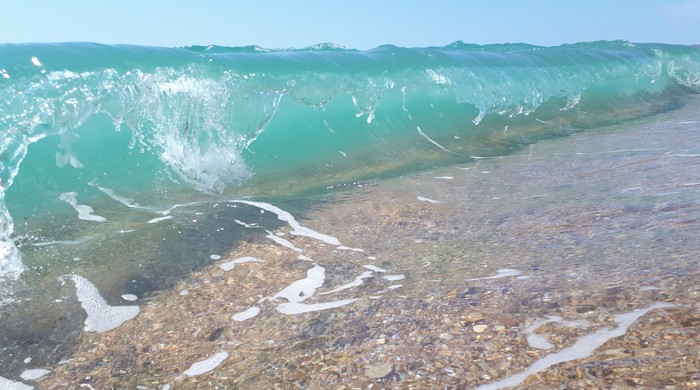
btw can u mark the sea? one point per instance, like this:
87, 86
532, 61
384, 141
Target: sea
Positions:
124, 169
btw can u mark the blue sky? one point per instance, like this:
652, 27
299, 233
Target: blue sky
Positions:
360, 24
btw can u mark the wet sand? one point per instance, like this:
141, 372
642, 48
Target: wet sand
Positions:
453, 278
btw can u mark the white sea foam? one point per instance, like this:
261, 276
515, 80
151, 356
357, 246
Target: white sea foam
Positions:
302, 289
423, 199
432, 141
501, 273
168, 211
156, 220
437, 77
347, 248
229, 265
292, 308
84, 211
6, 384
63, 242
393, 278
583, 347
34, 374
68, 157
540, 342
298, 230
129, 297
246, 225
247, 314
535, 340
128, 202
374, 268
204, 366
101, 317
357, 282
282, 241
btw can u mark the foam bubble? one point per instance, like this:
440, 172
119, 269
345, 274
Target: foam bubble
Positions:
101, 317
206, 365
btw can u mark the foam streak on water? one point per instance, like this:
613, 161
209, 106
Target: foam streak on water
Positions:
7, 384
206, 365
583, 347
84, 212
101, 317
285, 216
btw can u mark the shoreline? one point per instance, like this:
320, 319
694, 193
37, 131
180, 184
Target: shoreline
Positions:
591, 226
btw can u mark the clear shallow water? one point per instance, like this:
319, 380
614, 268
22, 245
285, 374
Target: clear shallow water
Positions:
578, 240
117, 162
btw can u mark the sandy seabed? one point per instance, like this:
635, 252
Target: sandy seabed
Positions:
572, 264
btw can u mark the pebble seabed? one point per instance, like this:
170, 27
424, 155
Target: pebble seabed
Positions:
572, 264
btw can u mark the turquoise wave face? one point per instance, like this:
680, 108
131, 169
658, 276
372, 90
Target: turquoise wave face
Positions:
158, 125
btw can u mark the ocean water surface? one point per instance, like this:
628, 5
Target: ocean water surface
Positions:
125, 168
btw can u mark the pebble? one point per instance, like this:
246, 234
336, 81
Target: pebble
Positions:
472, 317
379, 370
480, 328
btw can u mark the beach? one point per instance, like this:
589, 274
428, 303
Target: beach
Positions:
571, 263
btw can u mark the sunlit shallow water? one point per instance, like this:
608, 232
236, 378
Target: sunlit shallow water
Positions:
598, 224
